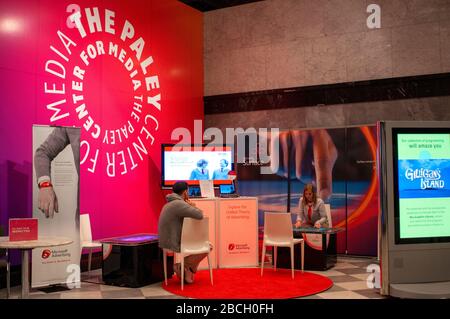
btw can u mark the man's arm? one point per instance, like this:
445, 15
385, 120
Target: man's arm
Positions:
52, 146
191, 211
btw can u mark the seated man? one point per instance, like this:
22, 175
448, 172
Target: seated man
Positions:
178, 207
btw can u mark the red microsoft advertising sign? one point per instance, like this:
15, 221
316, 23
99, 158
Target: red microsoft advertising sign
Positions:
23, 229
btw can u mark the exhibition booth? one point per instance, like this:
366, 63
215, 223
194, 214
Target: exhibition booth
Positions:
105, 109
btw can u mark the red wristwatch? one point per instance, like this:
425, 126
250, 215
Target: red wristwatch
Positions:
45, 184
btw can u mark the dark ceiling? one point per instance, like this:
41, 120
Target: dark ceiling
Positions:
208, 5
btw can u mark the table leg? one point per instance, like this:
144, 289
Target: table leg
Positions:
8, 275
25, 274
324, 251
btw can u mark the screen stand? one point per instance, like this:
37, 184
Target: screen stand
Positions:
429, 290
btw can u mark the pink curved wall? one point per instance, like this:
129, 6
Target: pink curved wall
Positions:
162, 45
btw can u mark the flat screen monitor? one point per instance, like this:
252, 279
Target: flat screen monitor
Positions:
192, 163
421, 161
194, 191
227, 189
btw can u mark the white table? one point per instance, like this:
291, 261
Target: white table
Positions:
233, 230
25, 247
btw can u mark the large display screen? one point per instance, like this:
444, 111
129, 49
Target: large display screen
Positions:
422, 185
194, 163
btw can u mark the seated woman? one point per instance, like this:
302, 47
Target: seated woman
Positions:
312, 209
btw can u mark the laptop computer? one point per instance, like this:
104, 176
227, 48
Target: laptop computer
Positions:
194, 191
228, 190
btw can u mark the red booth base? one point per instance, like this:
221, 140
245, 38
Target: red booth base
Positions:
247, 283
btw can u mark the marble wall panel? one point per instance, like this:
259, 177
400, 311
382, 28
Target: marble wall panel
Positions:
440, 107
325, 60
302, 18
216, 72
368, 55
445, 45
396, 13
416, 49
444, 12
247, 70
343, 17
225, 29
290, 43
264, 23
325, 116
285, 64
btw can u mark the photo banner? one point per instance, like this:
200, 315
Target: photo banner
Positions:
56, 166
339, 162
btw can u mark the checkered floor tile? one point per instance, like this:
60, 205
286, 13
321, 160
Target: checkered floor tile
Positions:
349, 276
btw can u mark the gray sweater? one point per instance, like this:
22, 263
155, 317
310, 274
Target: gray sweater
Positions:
319, 214
171, 221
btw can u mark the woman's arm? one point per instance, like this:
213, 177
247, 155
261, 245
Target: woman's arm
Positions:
322, 212
300, 214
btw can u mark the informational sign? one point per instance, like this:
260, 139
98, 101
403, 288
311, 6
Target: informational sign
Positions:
56, 167
23, 229
423, 185
207, 188
238, 232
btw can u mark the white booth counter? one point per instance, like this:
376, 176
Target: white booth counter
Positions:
233, 231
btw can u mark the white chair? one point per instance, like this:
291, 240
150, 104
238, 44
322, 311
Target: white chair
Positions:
278, 233
194, 240
86, 238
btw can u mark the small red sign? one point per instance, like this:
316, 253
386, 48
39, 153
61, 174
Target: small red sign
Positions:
23, 229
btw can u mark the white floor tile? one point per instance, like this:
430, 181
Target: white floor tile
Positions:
82, 295
344, 266
341, 295
354, 285
361, 276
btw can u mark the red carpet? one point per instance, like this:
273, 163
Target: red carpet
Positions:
246, 283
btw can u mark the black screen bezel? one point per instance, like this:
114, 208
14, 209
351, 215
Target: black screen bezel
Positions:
164, 185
